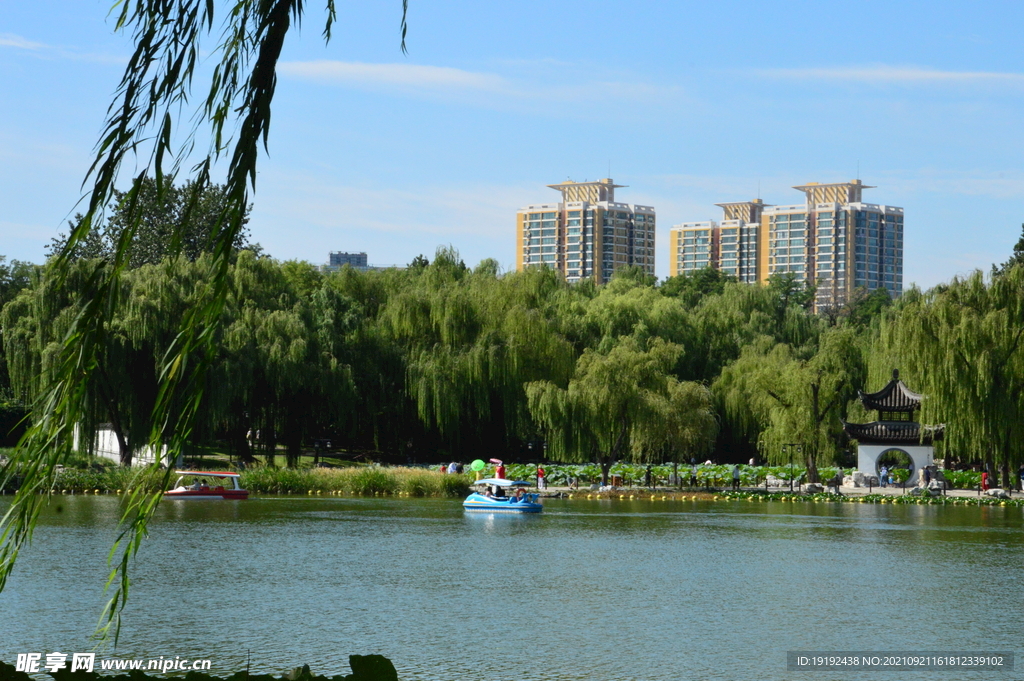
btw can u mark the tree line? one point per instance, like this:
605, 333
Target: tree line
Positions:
442, 361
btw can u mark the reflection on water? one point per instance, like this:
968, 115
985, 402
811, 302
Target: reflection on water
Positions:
586, 590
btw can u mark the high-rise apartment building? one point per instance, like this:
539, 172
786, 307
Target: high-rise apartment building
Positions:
832, 239
587, 234
731, 245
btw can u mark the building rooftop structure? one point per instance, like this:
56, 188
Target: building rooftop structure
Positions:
587, 235
894, 397
592, 192
832, 240
895, 404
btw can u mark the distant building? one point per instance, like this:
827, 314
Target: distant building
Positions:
587, 234
833, 239
730, 246
339, 259
357, 261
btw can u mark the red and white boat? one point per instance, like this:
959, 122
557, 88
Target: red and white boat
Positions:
207, 485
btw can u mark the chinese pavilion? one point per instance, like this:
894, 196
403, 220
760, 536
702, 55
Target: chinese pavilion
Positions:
895, 431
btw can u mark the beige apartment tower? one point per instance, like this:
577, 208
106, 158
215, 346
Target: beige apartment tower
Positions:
833, 239
587, 234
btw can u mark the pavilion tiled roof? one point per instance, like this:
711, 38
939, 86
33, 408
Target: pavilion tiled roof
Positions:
894, 432
895, 396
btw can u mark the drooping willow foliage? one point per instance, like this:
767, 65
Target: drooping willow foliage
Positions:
148, 122
625, 404
962, 345
791, 399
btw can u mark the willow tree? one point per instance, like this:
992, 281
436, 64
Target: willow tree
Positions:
624, 404
962, 345
779, 395
179, 219
122, 388
722, 325
153, 125
471, 341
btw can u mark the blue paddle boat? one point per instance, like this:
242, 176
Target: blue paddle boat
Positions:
503, 496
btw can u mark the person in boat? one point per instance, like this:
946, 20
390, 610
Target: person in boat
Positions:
499, 492
195, 485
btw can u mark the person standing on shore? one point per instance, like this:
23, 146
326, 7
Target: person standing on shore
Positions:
736, 476
693, 472
541, 481
499, 472
1020, 478
883, 477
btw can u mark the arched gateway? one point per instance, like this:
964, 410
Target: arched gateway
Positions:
895, 437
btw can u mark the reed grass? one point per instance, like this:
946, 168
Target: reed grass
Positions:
113, 479
360, 481
356, 480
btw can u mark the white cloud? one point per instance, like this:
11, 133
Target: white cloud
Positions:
880, 73
401, 75
43, 51
526, 89
1001, 185
12, 40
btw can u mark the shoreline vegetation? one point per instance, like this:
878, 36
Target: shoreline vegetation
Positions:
572, 481
656, 494
440, 360
357, 481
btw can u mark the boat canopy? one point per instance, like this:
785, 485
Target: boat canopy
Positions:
211, 474
502, 482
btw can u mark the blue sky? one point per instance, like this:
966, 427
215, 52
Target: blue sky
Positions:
689, 104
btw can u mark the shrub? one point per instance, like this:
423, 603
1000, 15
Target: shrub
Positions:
374, 480
420, 485
962, 479
455, 485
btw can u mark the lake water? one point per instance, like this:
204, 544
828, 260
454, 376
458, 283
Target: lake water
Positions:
587, 590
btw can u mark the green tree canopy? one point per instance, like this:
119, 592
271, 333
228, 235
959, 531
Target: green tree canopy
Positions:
14, 277
624, 404
693, 287
1016, 259
785, 395
163, 221
962, 346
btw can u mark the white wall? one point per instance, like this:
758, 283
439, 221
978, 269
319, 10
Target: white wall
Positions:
867, 458
106, 447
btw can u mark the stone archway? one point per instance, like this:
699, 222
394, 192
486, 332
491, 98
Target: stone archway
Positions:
895, 457
869, 456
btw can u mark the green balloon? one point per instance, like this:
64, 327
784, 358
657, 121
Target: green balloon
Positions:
477, 465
